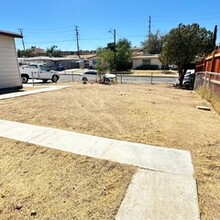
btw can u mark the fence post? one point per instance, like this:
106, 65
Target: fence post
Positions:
32, 74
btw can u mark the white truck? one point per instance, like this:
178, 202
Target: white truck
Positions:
37, 71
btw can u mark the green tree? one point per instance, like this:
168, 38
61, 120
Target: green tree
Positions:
153, 44
53, 52
124, 53
105, 60
111, 46
214, 37
183, 44
26, 53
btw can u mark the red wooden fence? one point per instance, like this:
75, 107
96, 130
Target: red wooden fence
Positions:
208, 71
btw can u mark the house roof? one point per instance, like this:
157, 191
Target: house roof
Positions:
10, 34
85, 56
152, 56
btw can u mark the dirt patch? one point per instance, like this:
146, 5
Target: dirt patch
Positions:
152, 114
41, 183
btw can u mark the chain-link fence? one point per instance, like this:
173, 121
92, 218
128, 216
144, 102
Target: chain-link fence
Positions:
208, 79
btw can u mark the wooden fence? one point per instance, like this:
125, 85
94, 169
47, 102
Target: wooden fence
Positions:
208, 72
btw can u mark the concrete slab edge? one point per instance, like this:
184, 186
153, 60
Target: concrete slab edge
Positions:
154, 196
31, 92
141, 155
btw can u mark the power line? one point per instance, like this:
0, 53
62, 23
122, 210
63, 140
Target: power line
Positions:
49, 32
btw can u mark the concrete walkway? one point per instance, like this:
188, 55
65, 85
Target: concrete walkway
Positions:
163, 187
30, 92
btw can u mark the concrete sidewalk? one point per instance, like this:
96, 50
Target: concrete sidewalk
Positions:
163, 187
30, 92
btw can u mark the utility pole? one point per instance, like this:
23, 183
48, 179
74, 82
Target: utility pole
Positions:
149, 26
115, 50
77, 39
20, 30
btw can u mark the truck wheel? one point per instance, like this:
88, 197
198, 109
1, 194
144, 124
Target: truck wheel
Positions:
54, 78
24, 79
84, 79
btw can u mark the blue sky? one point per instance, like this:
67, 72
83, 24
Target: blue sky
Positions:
52, 22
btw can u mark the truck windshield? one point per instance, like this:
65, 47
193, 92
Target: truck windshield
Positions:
44, 68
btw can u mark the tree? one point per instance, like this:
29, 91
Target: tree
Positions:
214, 37
153, 44
123, 58
111, 46
53, 52
105, 60
183, 44
26, 53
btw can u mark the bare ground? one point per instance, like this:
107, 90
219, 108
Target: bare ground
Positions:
152, 114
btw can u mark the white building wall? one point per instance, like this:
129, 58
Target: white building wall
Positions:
138, 61
9, 69
93, 62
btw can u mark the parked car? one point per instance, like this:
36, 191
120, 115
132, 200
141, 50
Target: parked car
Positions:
60, 67
109, 78
92, 75
188, 80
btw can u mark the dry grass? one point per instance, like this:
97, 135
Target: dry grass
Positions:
210, 96
152, 114
41, 183
155, 73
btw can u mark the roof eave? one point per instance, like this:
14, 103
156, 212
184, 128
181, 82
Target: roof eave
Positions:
10, 34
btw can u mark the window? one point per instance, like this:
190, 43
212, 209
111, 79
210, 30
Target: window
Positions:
43, 68
146, 62
90, 73
32, 66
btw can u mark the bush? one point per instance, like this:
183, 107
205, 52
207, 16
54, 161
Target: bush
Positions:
148, 67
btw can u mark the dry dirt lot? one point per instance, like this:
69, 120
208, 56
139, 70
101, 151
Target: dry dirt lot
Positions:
152, 114
40, 183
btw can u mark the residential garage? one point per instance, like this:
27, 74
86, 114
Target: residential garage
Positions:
9, 68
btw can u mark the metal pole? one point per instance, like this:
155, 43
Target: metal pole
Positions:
115, 49
22, 39
151, 78
77, 40
32, 77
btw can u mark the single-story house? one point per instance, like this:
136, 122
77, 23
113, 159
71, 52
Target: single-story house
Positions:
9, 69
93, 61
152, 59
53, 62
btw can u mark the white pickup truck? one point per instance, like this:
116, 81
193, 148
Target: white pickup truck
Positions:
38, 71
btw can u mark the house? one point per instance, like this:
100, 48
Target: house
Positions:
53, 63
9, 68
152, 59
93, 61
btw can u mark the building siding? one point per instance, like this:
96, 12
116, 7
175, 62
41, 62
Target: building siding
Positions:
138, 61
9, 70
